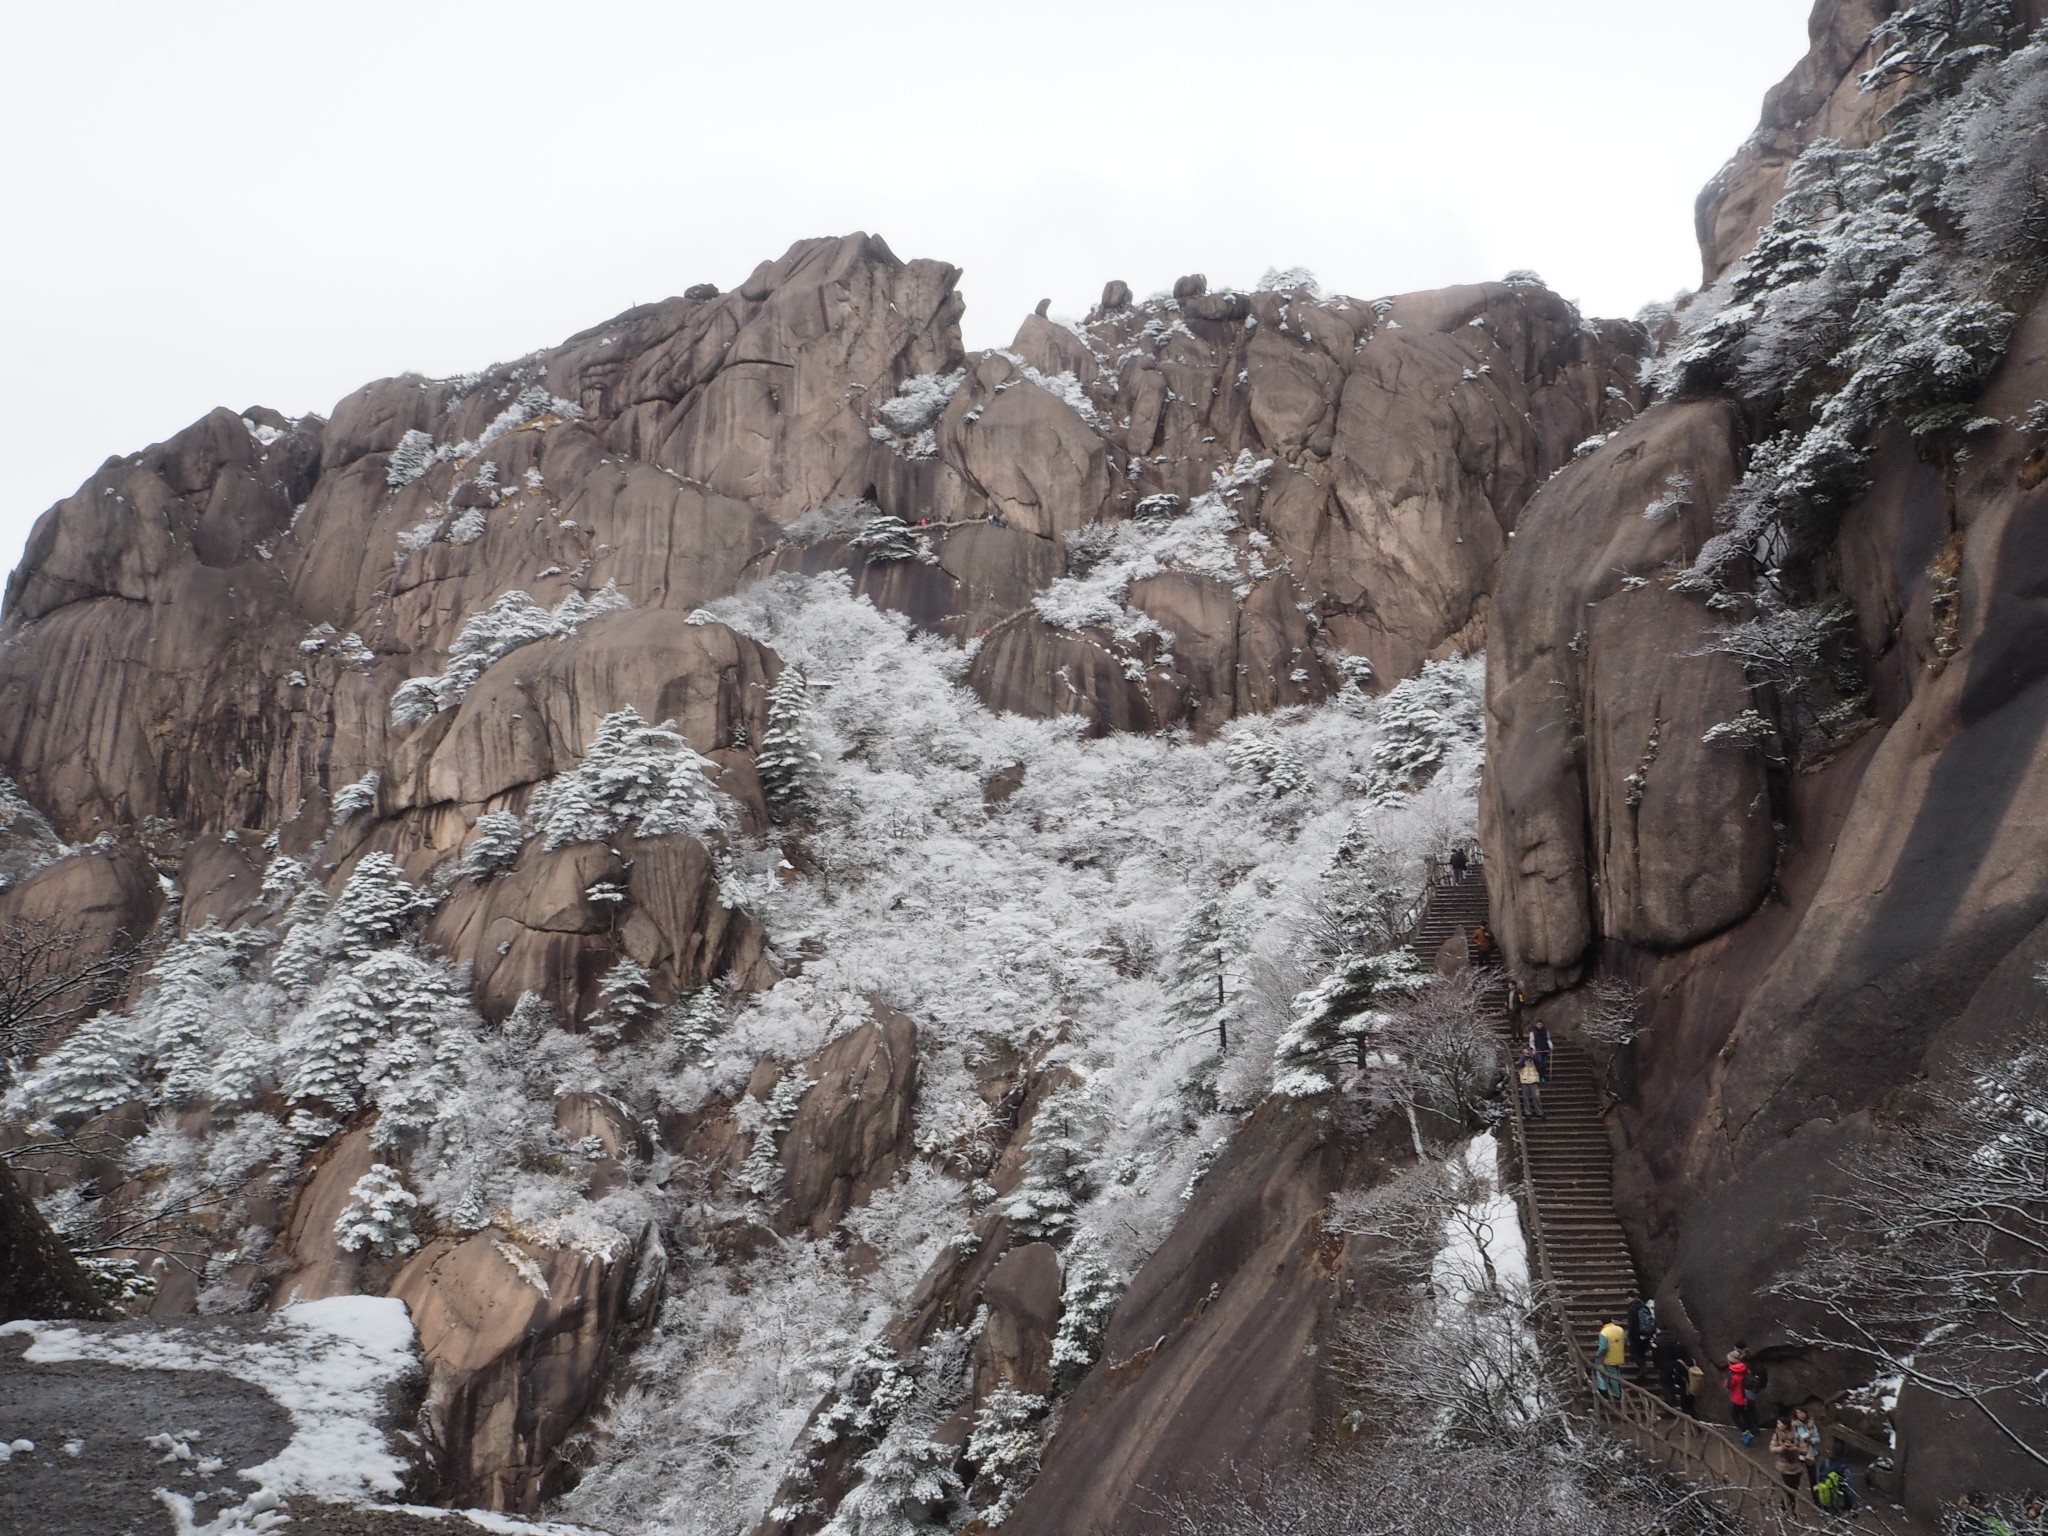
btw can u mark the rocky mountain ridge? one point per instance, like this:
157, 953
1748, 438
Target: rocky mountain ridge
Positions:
273, 673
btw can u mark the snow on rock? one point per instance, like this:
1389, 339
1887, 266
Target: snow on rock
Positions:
333, 1365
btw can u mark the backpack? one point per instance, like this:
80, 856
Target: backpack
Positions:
1759, 1379
1834, 1493
1695, 1378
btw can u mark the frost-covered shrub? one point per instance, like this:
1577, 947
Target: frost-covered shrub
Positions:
493, 845
352, 800
412, 458
631, 772
513, 620
1290, 280
378, 1216
907, 421
1881, 288
469, 526
1806, 659
920, 401
1199, 541
1422, 723
885, 539
1268, 761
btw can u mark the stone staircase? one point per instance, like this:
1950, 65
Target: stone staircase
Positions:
1571, 1162
1571, 1168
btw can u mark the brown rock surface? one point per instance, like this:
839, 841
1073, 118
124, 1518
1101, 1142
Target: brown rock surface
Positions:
516, 1336
852, 1132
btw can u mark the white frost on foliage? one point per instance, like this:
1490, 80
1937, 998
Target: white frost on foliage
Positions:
1117, 554
631, 772
514, 620
1042, 926
908, 418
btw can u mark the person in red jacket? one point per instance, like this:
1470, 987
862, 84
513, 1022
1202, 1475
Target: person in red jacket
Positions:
1740, 1397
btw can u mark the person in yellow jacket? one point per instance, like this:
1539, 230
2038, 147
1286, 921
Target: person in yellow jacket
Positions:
1610, 1350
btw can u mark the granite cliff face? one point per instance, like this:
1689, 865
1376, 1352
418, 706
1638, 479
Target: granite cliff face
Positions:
272, 673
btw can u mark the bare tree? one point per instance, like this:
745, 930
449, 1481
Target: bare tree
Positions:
1932, 1263
1612, 1016
50, 977
1445, 1052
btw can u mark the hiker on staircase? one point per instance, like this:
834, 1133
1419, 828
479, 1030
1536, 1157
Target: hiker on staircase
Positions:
1485, 951
1741, 1393
1610, 1350
1539, 1047
1459, 861
1673, 1365
1531, 1081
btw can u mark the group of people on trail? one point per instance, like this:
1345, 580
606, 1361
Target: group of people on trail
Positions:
1795, 1446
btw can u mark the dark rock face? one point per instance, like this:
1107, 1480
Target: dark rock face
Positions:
38, 1275
1208, 1365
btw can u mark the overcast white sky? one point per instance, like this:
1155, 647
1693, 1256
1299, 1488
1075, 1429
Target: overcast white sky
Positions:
237, 204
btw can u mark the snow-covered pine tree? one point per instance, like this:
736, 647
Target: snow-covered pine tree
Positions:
378, 1216
426, 1032
697, 1019
376, 906
1207, 974
1346, 1008
625, 998
1421, 720
787, 763
494, 845
1003, 1450
328, 1043
1089, 1292
1059, 1169
183, 1007
99, 1068
632, 771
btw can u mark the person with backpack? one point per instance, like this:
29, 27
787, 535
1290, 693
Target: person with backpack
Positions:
1834, 1491
1642, 1328
1695, 1384
1610, 1351
1736, 1378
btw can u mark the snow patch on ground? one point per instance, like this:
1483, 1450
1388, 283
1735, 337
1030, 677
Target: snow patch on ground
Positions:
330, 1364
